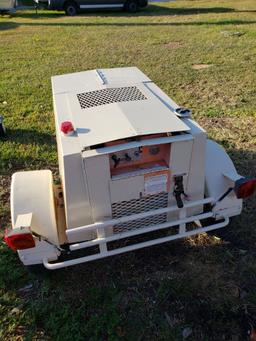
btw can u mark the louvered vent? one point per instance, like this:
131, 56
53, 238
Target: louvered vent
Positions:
110, 95
148, 203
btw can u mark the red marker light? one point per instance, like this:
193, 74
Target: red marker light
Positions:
245, 187
19, 241
67, 128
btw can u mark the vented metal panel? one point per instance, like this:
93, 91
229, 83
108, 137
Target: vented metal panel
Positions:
110, 95
148, 203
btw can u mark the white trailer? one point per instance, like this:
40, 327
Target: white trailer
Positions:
132, 163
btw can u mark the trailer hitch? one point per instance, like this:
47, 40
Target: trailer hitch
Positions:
179, 190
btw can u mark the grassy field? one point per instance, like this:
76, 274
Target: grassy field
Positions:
202, 53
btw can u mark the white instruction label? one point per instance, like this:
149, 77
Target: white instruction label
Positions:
156, 184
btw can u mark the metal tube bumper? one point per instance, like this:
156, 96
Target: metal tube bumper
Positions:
107, 223
147, 229
102, 241
54, 266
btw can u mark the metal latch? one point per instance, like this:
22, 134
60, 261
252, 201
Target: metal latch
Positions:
179, 190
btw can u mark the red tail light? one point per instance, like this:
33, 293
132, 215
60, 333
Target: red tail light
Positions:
67, 128
19, 241
245, 187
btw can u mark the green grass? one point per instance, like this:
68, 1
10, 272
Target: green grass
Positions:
201, 283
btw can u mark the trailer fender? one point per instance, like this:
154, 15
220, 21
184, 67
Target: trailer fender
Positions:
220, 174
32, 192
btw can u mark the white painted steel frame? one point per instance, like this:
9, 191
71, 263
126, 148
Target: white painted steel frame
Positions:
107, 223
102, 241
152, 228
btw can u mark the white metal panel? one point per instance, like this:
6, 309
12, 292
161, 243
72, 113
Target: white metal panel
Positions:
124, 76
75, 192
195, 186
180, 157
36, 254
67, 144
218, 163
75, 189
180, 165
32, 192
197, 167
84, 81
91, 80
151, 115
126, 189
98, 176
98, 125
114, 121
141, 115
192, 158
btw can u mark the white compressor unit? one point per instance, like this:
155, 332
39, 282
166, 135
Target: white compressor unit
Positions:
135, 171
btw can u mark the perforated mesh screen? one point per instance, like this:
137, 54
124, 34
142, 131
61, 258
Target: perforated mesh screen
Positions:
110, 95
148, 203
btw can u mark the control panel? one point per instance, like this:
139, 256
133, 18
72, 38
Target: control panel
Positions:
125, 157
139, 158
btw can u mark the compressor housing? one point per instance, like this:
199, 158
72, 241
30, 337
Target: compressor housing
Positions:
131, 162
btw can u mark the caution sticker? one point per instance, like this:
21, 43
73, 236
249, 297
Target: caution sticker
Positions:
156, 183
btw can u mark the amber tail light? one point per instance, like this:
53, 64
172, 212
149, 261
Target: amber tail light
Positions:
19, 241
245, 187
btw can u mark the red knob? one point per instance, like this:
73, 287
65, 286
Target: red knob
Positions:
67, 128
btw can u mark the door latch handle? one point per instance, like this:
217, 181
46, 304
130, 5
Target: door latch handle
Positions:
179, 190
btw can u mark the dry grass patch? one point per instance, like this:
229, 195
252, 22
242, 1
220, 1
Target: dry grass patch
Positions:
174, 45
201, 66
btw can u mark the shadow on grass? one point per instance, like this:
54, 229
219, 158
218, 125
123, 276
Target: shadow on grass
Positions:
24, 136
10, 163
8, 25
151, 10
13, 25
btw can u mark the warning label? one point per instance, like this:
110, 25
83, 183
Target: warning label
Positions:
156, 184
